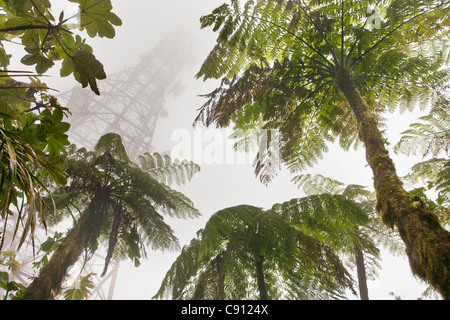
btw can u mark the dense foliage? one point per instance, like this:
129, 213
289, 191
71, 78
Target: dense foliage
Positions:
33, 132
291, 251
116, 200
309, 72
321, 72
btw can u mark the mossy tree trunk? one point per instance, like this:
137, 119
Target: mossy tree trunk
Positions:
260, 278
82, 236
427, 242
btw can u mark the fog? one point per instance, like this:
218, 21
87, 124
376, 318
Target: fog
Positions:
217, 186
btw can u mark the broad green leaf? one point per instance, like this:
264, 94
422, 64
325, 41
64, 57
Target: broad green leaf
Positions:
81, 288
4, 57
97, 19
87, 69
4, 279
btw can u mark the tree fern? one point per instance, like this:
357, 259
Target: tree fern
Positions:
110, 199
297, 241
323, 61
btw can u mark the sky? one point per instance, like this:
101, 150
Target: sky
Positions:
218, 186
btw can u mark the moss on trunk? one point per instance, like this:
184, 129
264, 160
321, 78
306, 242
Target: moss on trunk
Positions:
427, 242
82, 236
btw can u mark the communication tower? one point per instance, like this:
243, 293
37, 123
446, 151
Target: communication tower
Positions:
130, 104
131, 101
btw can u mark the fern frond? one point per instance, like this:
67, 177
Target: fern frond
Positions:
358, 193
325, 216
112, 142
214, 264
443, 180
431, 136
179, 275
317, 184
425, 171
166, 170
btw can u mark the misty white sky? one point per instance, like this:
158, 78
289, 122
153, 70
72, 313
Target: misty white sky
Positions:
145, 22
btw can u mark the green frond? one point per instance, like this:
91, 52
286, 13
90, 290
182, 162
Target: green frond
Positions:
358, 193
163, 169
443, 180
325, 216
214, 265
152, 228
317, 184
431, 135
112, 142
426, 171
179, 275
179, 205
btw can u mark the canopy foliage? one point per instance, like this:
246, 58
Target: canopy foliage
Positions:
298, 243
135, 200
33, 133
279, 62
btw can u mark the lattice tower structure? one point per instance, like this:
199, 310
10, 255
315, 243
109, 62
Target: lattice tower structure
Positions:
131, 101
130, 104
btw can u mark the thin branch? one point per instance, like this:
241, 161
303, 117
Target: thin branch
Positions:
320, 32
389, 34
296, 37
43, 16
26, 27
43, 42
303, 101
315, 113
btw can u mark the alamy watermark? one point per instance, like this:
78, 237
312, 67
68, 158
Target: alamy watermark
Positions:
214, 146
73, 16
374, 20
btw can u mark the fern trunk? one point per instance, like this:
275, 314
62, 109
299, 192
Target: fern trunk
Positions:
83, 234
221, 278
427, 242
362, 277
260, 279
